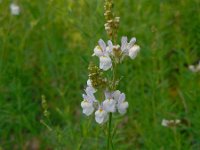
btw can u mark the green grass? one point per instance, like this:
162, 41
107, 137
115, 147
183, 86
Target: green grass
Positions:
47, 48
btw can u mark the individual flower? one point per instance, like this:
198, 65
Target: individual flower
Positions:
87, 107
116, 94
14, 8
88, 101
109, 105
102, 51
98, 51
105, 63
119, 99
90, 90
101, 116
122, 105
126, 46
87, 104
112, 95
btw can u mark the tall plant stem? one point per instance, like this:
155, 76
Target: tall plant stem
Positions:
109, 142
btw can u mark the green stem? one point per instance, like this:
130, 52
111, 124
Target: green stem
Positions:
176, 137
109, 140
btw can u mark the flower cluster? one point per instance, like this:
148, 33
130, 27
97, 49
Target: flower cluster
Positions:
170, 123
109, 52
112, 100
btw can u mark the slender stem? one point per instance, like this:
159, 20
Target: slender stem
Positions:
110, 123
108, 139
176, 137
109, 142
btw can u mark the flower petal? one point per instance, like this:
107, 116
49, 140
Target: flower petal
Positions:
116, 95
122, 107
131, 43
133, 51
101, 116
87, 107
124, 43
122, 98
102, 44
98, 51
110, 47
105, 63
109, 105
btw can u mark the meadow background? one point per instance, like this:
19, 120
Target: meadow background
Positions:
46, 51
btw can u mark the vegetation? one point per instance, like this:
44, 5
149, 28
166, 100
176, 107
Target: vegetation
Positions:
46, 50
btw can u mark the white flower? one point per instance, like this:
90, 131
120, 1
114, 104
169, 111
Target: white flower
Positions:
170, 123
119, 99
90, 90
98, 51
109, 105
88, 107
116, 94
101, 49
133, 51
103, 52
122, 105
164, 123
112, 95
105, 63
89, 99
101, 116
125, 46
194, 69
15, 10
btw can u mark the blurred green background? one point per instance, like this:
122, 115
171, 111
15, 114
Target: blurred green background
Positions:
46, 51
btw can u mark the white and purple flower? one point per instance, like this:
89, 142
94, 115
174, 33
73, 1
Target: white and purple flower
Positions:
114, 101
122, 105
101, 116
102, 51
88, 101
109, 105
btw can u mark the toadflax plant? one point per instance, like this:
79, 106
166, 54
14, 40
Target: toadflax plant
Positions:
101, 95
